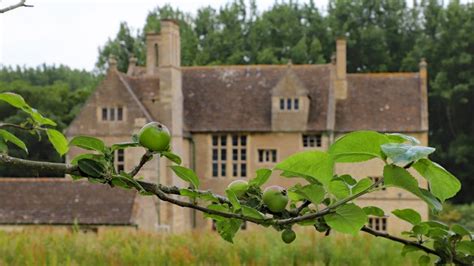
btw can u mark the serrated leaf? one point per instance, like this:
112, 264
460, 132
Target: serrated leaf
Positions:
362, 185
262, 177
402, 154
186, 174
172, 157
91, 168
399, 177
228, 228
408, 215
374, 211
358, 146
400, 138
233, 199
88, 143
348, 218
315, 164
9, 137
339, 189
58, 140
442, 183
314, 193
251, 212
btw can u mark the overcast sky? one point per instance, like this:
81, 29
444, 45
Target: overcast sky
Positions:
70, 31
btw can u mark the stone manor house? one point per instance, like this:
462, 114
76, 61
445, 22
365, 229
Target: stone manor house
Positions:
227, 122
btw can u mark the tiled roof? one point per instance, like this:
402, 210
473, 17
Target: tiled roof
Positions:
238, 98
383, 102
51, 201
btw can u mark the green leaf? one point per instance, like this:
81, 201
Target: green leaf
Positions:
92, 167
362, 185
38, 118
400, 138
460, 230
88, 143
358, 146
172, 157
421, 229
251, 212
399, 177
122, 145
95, 157
403, 154
228, 228
207, 196
262, 177
233, 199
374, 211
339, 189
315, 164
442, 183
348, 179
408, 215
7, 136
466, 247
313, 192
348, 218
58, 140
424, 260
409, 248
186, 174
14, 99
217, 207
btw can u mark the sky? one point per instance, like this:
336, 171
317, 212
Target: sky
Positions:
69, 32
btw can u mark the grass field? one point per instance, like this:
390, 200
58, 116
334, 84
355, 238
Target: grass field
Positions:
115, 247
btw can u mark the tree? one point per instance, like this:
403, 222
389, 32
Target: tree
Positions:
325, 202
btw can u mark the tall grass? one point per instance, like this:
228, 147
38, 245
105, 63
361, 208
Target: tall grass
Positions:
264, 247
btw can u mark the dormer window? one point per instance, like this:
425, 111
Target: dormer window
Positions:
289, 104
112, 114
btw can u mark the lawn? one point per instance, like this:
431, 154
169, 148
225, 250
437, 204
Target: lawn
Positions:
263, 247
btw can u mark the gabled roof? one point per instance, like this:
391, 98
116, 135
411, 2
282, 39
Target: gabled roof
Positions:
238, 98
53, 201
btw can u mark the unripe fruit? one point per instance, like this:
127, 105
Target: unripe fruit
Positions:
288, 236
275, 198
155, 137
239, 187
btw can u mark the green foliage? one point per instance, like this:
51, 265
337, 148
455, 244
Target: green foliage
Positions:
186, 174
408, 215
348, 218
315, 166
358, 146
131, 247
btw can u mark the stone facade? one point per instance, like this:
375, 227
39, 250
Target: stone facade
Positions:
228, 121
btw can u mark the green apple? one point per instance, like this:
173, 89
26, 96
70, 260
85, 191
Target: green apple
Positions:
288, 236
239, 187
155, 137
275, 198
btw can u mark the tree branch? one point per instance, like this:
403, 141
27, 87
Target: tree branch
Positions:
6, 125
145, 158
162, 192
22, 3
406, 242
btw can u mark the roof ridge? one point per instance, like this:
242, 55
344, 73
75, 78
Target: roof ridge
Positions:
255, 66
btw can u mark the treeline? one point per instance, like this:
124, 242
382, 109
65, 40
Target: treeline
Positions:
383, 35
58, 92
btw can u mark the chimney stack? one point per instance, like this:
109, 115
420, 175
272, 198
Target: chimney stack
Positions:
341, 69
424, 93
152, 52
112, 63
170, 44
132, 62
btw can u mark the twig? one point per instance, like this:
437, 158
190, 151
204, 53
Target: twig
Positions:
5, 125
145, 158
22, 3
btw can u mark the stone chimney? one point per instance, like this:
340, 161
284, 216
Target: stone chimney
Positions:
424, 93
152, 52
170, 44
341, 69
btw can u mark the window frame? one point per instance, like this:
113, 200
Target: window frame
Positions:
311, 141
